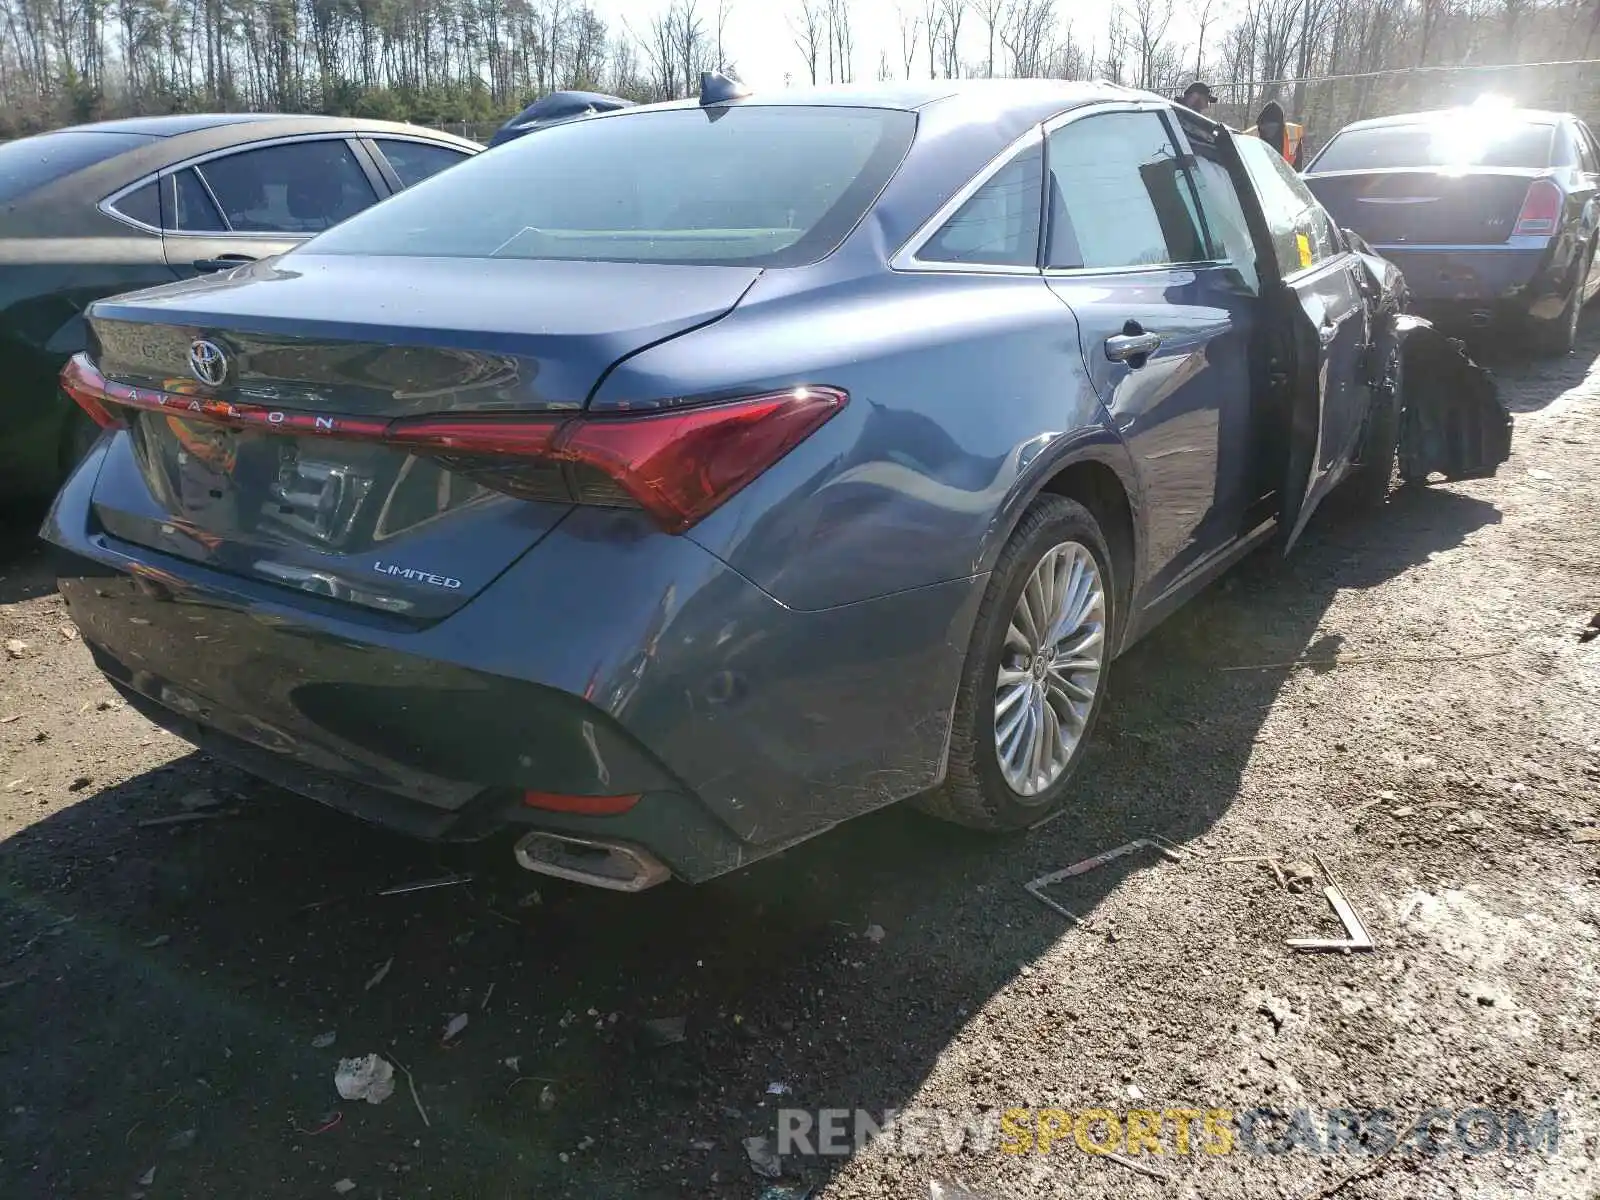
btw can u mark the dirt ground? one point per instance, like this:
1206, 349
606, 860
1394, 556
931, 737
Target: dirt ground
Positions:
166, 992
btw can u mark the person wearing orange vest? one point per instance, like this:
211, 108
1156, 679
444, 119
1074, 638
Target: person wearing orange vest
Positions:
1287, 138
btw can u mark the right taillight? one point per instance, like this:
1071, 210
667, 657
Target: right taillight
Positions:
1541, 210
678, 465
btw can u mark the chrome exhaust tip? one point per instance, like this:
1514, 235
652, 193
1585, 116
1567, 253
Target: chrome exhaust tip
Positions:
598, 863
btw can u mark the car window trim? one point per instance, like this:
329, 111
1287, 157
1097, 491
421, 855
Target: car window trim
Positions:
108, 205
373, 144
351, 139
907, 258
1160, 110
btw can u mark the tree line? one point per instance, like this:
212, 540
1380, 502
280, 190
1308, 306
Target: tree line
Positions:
478, 61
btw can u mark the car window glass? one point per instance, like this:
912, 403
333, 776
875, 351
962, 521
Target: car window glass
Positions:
1225, 219
1118, 195
1565, 153
753, 185
296, 188
1450, 141
999, 224
142, 205
1588, 155
1302, 233
415, 161
193, 211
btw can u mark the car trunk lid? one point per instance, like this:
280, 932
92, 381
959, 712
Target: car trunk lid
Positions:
1426, 207
258, 441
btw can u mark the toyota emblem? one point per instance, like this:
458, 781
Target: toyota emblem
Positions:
208, 363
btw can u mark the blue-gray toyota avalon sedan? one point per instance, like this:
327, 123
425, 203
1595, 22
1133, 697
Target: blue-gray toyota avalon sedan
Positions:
677, 483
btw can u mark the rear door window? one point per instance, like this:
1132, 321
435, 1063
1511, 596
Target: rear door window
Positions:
415, 161
193, 209
1120, 195
297, 188
1302, 232
999, 225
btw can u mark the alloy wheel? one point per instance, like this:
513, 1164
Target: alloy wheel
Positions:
1050, 668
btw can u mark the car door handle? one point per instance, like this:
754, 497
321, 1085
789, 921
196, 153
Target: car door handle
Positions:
1132, 343
224, 262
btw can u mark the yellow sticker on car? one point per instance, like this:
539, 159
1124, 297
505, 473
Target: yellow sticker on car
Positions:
1304, 244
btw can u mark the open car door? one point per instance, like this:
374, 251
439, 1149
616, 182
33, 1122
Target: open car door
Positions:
1316, 330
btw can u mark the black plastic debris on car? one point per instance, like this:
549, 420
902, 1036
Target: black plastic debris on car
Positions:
555, 109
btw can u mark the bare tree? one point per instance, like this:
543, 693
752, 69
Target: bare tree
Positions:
1204, 18
1029, 37
724, 10
1151, 20
950, 14
810, 32
991, 13
910, 27
841, 42
933, 28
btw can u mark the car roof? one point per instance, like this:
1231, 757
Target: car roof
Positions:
185, 123
167, 126
1534, 116
1043, 94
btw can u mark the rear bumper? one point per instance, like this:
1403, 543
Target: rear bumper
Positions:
1514, 279
596, 665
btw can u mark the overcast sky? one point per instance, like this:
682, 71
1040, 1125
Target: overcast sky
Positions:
759, 41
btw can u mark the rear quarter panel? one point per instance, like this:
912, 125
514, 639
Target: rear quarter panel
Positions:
967, 391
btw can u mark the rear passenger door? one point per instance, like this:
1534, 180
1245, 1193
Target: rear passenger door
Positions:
1317, 336
245, 204
1165, 319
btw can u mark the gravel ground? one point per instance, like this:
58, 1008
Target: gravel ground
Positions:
167, 993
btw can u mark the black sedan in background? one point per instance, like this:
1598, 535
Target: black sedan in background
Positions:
99, 209
1491, 212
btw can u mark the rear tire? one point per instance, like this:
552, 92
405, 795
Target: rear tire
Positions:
1559, 338
1018, 680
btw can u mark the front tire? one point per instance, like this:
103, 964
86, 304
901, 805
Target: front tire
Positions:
1034, 679
1367, 487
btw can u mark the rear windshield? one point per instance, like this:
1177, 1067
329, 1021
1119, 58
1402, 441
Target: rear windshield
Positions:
32, 162
1467, 142
769, 186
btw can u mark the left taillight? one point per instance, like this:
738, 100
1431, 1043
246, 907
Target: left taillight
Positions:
1541, 210
86, 386
678, 465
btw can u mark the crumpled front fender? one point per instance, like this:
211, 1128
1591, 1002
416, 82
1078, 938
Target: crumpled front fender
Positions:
1452, 421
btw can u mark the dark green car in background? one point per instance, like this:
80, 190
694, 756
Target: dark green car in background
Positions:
96, 210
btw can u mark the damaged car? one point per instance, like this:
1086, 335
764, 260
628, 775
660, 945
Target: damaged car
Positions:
1492, 212
791, 456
